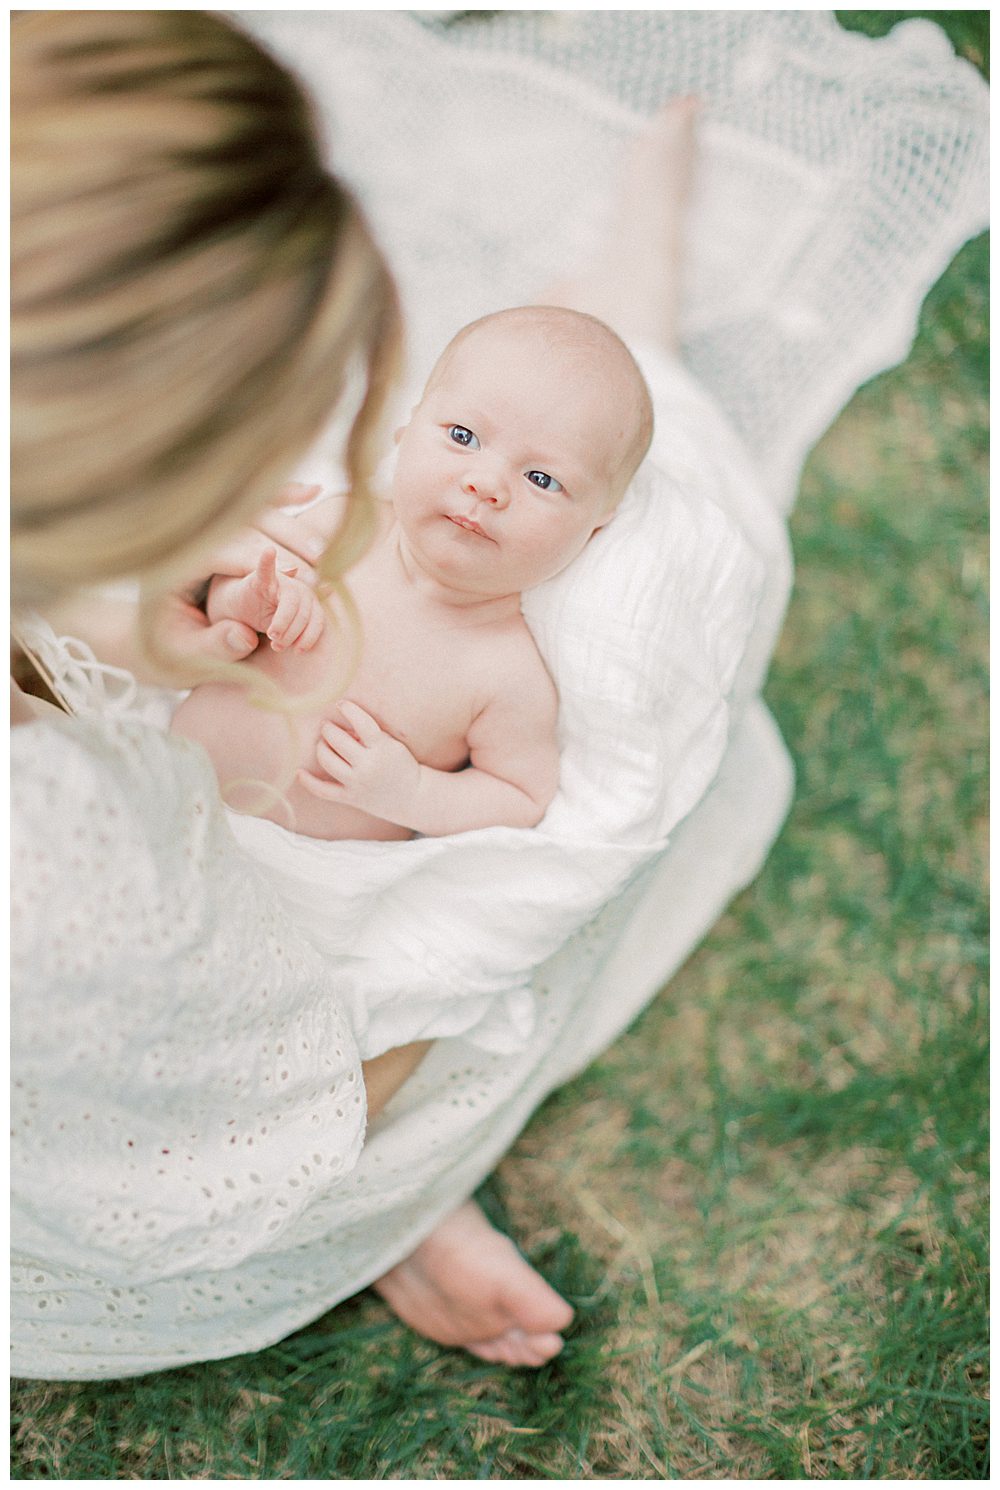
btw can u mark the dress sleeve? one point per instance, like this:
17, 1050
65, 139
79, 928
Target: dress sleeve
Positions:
185, 1079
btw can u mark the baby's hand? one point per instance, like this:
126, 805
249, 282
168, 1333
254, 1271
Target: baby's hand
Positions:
285, 608
364, 767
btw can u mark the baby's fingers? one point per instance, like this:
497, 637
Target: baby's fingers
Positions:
367, 729
286, 623
314, 627
318, 786
306, 627
265, 576
338, 742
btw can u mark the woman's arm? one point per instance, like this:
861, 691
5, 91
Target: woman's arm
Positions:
185, 638
25, 708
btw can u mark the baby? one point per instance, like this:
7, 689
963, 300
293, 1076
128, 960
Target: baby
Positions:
532, 424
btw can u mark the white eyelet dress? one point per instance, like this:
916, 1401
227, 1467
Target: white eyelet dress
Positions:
187, 1093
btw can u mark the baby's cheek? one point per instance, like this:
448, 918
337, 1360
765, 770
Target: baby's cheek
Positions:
568, 540
416, 486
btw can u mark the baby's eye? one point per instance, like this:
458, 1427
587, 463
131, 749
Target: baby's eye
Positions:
463, 436
544, 481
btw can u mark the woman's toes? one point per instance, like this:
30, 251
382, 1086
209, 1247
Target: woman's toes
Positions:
467, 1284
515, 1348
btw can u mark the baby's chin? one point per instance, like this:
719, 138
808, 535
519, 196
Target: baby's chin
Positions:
479, 583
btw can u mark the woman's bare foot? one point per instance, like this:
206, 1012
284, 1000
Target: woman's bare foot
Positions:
634, 281
468, 1285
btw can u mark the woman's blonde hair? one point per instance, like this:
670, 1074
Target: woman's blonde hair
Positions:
192, 291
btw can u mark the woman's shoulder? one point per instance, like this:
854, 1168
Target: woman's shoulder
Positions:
104, 808
117, 840
65, 766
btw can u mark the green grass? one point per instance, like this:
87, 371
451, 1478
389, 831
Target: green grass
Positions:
767, 1201
967, 30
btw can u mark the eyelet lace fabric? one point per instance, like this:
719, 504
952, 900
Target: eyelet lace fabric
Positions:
185, 1086
192, 1176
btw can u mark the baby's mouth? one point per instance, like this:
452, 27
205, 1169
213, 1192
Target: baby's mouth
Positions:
469, 524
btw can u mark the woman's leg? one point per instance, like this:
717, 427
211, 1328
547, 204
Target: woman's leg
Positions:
385, 1074
467, 1284
635, 281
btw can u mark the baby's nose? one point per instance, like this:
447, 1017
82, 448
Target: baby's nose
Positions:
487, 485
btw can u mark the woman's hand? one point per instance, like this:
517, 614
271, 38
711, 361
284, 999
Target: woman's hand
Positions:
306, 536
184, 632
185, 638
185, 629
296, 544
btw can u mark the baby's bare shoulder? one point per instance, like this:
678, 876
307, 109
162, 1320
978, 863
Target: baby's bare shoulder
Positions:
516, 674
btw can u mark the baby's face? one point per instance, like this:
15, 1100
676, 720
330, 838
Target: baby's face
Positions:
509, 463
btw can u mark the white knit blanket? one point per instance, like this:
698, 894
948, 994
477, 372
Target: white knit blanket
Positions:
838, 176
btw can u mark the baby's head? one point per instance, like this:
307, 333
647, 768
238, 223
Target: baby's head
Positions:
532, 424
588, 373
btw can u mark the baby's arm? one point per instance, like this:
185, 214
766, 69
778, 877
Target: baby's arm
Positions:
270, 600
511, 778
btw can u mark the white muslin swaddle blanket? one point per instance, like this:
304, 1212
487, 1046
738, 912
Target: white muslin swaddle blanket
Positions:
643, 635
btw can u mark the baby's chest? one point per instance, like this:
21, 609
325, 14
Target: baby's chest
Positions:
421, 691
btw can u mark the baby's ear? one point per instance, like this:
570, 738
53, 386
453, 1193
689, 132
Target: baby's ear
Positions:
401, 431
609, 518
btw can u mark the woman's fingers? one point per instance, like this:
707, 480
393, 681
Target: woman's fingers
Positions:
308, 535
240, 556
229, 641
297, 491
187, 631
296, 549
290, 532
